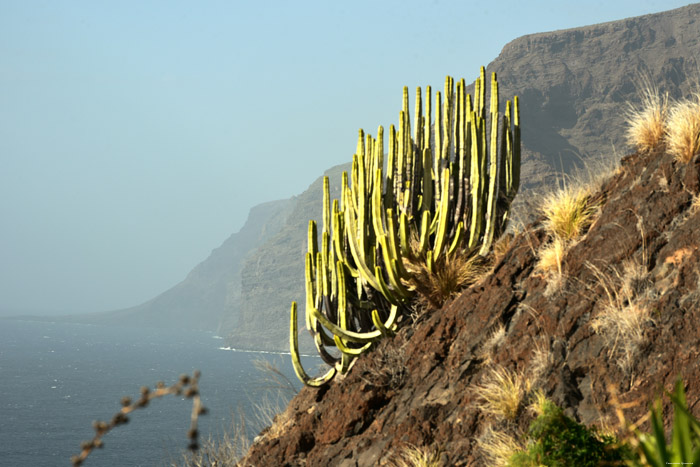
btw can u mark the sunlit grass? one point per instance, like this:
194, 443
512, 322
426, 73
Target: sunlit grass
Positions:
683, 132
502, 392
647, 123
567, 212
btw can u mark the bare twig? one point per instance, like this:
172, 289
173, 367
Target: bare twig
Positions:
186, 386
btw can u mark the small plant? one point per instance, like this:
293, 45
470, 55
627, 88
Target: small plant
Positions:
502, 392
387, 368
551, 256
567, 212
625, 314
647, 123
412, 456
448, 276
684, 448
498, 447
557, 440
683, 133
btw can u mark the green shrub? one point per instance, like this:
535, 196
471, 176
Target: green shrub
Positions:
556, 440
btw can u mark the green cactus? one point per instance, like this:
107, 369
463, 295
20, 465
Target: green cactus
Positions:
447, 190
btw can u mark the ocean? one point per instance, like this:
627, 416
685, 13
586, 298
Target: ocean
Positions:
57, 378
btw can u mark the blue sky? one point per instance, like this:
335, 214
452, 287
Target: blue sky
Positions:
135, 136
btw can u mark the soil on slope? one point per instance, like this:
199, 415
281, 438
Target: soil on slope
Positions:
646, 235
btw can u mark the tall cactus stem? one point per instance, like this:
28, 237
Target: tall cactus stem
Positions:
296, 359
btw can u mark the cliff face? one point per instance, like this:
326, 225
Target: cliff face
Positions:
421, 387
273, 274
573, 85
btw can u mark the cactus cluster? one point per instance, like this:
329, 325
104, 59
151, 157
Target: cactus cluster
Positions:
443, 189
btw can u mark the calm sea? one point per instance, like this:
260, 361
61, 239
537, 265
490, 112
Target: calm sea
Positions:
56, 378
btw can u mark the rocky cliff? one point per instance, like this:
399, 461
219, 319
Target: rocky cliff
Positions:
639, 259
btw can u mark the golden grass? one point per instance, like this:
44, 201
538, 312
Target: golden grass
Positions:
448, 277
502, 392
498, 447
567, 212
412, 456
647, 123
683, 129
551, 256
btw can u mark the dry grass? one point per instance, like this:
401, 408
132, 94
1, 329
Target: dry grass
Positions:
225, 451
647, 123
683, 129
695, 206
498, 447
624, 317
502, 392
412, 456
567, 212
551, 256
449, 276
387, 368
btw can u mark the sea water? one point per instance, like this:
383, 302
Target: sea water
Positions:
57, 378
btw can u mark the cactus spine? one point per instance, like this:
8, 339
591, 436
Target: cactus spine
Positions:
447, 190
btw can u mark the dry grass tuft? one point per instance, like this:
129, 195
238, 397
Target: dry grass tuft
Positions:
625, 314
567, 212
683, 132
498, 447
226, 451
448, 277
647, 123
551, 256
502, 392
387, 367
412, 456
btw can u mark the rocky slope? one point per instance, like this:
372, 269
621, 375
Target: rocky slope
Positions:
420, 388
574, 86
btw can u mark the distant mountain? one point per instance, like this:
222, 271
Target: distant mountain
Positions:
209, 297
574, 84
273, 274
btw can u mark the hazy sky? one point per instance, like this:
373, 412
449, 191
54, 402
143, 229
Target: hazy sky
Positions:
136, 135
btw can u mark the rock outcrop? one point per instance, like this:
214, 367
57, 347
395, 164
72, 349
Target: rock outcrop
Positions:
420, 388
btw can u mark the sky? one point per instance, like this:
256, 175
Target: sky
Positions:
136, 135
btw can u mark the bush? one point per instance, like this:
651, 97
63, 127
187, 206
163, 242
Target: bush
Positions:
557, 440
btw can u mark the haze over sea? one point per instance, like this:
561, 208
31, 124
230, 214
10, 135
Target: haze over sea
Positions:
57, 378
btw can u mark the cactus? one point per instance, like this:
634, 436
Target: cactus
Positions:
447, 190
